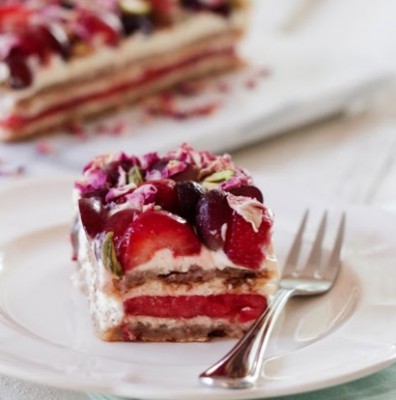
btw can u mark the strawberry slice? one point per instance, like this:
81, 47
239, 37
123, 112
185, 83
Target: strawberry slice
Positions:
119, 223
243, 245
156, 230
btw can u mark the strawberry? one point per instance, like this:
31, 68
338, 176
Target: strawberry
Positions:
156, 230
119, 224
243, 245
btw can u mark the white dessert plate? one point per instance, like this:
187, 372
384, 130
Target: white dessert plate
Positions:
46, 334
305, 82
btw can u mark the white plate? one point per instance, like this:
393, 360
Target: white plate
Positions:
46, 335
306, 82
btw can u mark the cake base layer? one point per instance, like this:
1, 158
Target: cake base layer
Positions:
199, 329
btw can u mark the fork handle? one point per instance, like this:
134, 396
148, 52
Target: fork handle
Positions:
241, 366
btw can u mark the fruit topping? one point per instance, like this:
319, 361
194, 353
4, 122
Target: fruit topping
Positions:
20, 75
165, 196
222, 7
244, 245
96, 28
118, 224
248, 191
220, 206
13, 17
165, 11
135, 16
156, 230
212, 216
242, 307
93, 215
188, 194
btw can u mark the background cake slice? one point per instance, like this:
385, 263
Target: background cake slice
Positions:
65, 60
172, 248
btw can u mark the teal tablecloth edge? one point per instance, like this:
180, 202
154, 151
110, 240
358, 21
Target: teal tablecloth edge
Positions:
378, 386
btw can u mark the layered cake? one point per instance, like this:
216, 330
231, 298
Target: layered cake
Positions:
67, 59
172, 248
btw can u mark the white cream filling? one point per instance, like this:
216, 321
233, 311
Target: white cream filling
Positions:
131, 49
163, 261
106, 307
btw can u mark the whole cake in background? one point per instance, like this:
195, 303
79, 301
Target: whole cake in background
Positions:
67, 59
172, 248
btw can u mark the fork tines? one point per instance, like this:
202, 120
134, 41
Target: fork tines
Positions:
313, 264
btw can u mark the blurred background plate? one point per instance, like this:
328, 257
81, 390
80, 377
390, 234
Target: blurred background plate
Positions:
307, 60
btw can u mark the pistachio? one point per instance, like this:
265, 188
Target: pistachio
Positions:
135, 176
136, 7
109, 257
212, 181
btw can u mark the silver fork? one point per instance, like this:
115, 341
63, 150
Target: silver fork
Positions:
242, 366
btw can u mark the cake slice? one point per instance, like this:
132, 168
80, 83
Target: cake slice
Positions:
66, 59
173, 248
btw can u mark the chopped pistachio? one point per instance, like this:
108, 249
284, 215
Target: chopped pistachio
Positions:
137, 7
135, 176
109, 257
212, 181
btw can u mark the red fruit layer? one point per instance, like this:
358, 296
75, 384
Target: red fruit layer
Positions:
19, 121
152, 231
240, 307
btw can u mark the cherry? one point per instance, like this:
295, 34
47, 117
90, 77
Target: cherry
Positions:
213, 212
132, 23
166, 194
20, 74
248, 191
93, 215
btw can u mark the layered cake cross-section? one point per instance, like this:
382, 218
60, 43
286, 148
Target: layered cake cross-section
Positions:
172, 248
63, 60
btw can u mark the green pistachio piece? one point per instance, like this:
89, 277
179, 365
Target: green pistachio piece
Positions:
135, 176
109, 257
136, 7
212, 181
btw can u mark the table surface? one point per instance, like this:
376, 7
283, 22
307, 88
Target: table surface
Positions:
350, 158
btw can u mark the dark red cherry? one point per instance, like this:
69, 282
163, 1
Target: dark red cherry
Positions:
188, 195
93, 215
213, 212
166, 194
132, 23
20, 75
248, 191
